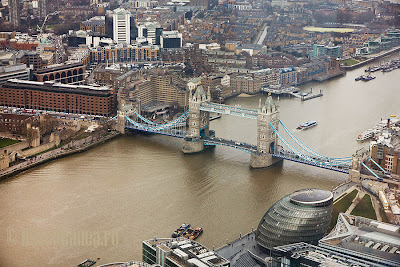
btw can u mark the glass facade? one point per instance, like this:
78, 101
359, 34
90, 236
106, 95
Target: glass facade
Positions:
149, 254
302, 216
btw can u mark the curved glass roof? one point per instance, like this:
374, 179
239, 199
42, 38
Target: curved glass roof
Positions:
311, 196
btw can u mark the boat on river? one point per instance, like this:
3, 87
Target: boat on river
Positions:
307, 125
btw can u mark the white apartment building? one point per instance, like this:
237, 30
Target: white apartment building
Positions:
122, 26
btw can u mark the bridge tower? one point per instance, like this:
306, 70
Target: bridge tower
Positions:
120, 126
266, 137
355, 170
199, 122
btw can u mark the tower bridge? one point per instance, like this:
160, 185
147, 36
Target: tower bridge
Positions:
275, 141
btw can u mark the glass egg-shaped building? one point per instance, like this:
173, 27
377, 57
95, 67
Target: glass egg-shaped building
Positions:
302, 216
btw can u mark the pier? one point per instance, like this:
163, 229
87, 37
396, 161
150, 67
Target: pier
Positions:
304, 98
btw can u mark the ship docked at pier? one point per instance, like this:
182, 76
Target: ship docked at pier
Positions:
378, 128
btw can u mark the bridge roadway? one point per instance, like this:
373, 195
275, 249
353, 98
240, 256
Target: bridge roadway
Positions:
317, 162
229, 110
252, 149
169, 132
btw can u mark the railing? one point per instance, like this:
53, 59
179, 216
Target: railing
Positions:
252, 149
228, 110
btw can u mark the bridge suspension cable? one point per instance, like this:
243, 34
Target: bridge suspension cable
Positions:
291, 147
379, 166
179, 119
371, 171
308, 149
301, 154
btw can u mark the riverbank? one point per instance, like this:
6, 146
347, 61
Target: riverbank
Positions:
372, 59
71, 148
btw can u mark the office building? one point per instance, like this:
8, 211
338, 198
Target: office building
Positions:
19, 71
122, 26
171, 39
373, 242
302, 216
151, 32
328, 50
386, 149
180, 252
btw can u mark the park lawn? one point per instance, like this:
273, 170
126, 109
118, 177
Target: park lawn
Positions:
6, 142
350, 62
364, 208
341, 206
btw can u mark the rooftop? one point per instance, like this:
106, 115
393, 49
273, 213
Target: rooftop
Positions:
378, 239
58, 87
187, 252
311, 196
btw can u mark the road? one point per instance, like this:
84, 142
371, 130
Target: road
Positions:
263, 35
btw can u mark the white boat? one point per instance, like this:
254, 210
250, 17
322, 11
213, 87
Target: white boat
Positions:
307, 125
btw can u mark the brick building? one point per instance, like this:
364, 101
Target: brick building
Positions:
120, 53
95, 24
30, 58
386, 152
168, 89
67, 73
106, 76
245, 84
58, 97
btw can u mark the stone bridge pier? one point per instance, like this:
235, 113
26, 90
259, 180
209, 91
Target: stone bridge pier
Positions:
199, 122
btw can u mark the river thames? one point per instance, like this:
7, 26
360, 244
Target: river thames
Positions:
139, 187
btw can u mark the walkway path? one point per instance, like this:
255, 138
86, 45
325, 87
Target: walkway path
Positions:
70, 148
356, 200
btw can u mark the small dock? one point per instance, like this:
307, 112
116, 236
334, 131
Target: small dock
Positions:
304, 98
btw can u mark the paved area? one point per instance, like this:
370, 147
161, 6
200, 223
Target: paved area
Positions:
376, 206
342, 189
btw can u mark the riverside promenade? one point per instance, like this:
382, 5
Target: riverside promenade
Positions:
72, 147
372, 58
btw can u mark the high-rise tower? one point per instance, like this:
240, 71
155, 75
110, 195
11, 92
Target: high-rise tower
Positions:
14, 12
122, 26
42, 9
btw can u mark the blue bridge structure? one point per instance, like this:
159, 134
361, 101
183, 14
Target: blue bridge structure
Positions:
275, 141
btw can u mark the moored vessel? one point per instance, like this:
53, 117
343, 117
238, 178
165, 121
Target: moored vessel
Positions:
195, 234
366, 135
181, 230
